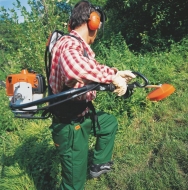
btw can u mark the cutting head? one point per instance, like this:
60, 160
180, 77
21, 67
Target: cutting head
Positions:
160, 93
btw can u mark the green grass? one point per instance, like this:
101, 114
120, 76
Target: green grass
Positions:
151, 146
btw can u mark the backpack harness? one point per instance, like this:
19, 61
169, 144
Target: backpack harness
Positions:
68, 110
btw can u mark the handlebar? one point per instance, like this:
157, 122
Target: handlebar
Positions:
110, 87
137, 84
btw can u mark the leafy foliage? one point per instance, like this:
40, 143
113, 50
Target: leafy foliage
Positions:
151, 144
30, 37
148, 25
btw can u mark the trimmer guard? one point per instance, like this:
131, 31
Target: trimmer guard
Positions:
160, 93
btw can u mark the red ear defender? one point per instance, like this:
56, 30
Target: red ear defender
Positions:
94, 21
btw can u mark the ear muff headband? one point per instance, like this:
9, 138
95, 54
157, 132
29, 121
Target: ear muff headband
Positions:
94, 21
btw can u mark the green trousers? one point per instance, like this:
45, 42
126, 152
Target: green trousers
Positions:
71, 141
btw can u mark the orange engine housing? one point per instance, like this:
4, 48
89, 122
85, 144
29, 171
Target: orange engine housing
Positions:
37, 82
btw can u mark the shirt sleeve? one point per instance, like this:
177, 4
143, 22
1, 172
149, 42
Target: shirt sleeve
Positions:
80, 68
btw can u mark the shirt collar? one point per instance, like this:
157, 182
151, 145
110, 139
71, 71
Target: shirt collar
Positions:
73, 32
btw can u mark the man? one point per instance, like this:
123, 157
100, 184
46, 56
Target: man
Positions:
74, 66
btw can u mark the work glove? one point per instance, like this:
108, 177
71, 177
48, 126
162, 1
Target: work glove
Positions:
120, 84
127, 74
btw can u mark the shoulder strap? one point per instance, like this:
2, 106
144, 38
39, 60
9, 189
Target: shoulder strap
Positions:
53, 38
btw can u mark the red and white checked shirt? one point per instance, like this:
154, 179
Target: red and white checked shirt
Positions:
71, 68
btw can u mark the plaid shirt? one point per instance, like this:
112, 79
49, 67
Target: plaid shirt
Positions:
71, 68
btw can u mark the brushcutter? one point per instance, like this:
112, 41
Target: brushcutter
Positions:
26, 92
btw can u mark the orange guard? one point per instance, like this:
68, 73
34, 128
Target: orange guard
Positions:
160, 93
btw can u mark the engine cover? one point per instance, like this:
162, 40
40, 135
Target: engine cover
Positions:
25, 87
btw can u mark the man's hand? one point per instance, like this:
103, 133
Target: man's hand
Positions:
120, 84
127, 74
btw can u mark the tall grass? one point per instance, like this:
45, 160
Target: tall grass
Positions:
151, 146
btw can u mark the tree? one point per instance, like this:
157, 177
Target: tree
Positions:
148, 24
24, 43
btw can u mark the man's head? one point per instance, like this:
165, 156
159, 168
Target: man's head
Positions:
84, 13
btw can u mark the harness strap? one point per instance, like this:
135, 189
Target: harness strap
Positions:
94, 117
